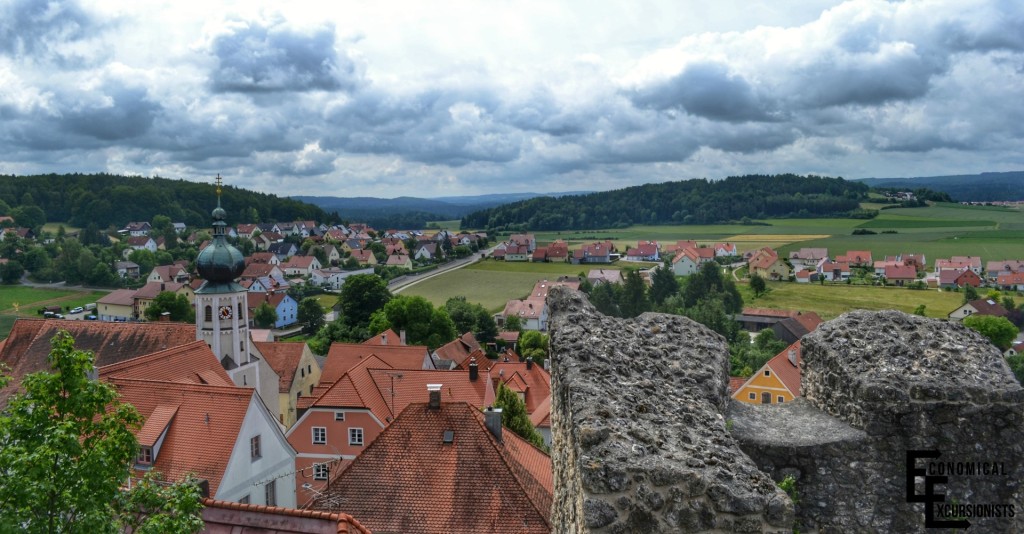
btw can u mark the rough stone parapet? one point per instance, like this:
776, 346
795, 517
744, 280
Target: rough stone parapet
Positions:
894, 383
639, 440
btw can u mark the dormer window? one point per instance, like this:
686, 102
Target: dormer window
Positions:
145, 457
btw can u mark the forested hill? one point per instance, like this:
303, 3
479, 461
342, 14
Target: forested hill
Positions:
984, 187
105, 199
698, 201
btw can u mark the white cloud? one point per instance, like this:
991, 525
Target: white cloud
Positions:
363, 98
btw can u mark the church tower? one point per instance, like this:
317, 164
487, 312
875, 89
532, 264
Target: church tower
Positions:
222, 314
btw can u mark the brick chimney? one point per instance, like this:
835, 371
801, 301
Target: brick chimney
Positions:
434, 394
165, 317
492, 420
474, 370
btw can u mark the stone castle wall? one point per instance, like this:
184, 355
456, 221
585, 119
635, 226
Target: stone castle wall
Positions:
646, 439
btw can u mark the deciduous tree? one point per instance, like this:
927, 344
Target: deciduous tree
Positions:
515, 418
999, 330
66, 447
310, 315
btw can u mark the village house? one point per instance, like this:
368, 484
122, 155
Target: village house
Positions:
517, 253
767, 264
168, 273
957, 278
645, 251
118, 305
139, 243
689, 260
978, 307
778, 381
334, 278
136, 229
997, 268
126, 269
300, 265
400, 260
298, 370
1011, 281
857, 259
364, 257
834, 271
725, 249
600, 252
431, 444
604, 276
284, 306
145, 295
524, 240
900, 275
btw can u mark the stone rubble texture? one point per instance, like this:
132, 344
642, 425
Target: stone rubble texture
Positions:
646, 438
640, 442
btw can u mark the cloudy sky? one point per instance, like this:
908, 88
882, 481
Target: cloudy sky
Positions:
388, 98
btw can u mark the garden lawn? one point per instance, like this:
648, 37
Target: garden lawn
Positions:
830, 301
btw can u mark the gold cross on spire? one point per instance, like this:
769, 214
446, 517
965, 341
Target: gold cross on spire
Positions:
218, 185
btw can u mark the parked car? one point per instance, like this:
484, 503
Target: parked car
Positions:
77, 309
90, 317
58, 316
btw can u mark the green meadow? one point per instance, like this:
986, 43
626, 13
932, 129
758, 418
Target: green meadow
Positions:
940, 230
22, 301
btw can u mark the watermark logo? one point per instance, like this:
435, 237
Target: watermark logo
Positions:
937, 512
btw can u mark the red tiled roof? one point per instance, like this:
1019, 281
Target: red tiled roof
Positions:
27, 347
387, 337
152, 289
344, 356
541, 416
474, 484
788, 373
192, 363
222, 517
536, 382
735, 383
459, 349
202, 435
284, 358
900, 272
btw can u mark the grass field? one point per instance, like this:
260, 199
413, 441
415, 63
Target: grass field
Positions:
830, 301
454, 225
21, 301
489, 288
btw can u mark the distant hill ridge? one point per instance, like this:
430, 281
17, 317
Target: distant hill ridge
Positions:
984, 187
697, 201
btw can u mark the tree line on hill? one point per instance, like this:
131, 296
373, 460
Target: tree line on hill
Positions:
700, 201
107, 199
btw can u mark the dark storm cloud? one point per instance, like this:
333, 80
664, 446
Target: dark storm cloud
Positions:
706, 90
259, 59
129, 114
36, 28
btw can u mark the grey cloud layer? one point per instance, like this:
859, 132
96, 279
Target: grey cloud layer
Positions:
279, 102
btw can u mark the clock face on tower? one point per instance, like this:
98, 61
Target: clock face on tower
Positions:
225, 312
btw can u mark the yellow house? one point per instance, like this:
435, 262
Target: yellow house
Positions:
776, 382
767, 264
298, 372
145, 295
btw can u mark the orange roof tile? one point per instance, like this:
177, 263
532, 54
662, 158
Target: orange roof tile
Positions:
27, 348
203, 431
387, 337
787, 371
284, 358
474, 484
344, 356
226, 516
536, 381
192, 363
156, 424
